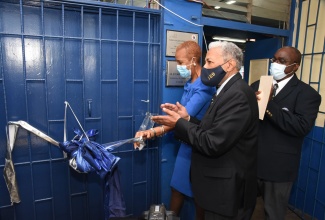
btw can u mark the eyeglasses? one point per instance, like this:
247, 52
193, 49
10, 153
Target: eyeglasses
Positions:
281, 60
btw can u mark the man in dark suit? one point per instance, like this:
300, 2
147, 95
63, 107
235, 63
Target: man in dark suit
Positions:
290, 114
224, 142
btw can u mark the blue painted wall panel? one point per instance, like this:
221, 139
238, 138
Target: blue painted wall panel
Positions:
55, 76
109, 60
125, 78
92, 77
72, 23
52, 22
91, 22
141, 26
125, 30
321, 181
316, 151
139, 192
141, 67
109, 112
79, 207
61, 189
109, 24
44, 210
309, 200
41, 180
72, 59
141, 94
304, 164
36, 97
319, 210
12, 12
32, 20
34, 59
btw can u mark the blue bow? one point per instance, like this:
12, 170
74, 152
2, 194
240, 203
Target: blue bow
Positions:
87, 155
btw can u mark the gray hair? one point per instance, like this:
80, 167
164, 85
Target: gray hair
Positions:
229, 51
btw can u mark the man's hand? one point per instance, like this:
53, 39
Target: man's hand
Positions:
169, 120
169, 106
258, 95
178, 108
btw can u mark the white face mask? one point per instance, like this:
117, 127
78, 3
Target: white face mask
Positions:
277, 70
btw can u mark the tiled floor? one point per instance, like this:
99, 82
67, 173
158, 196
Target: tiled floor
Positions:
259, 213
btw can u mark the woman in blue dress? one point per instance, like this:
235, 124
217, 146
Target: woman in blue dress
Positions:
196, 98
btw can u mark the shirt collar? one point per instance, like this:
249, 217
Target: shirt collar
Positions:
282, 84
223, 84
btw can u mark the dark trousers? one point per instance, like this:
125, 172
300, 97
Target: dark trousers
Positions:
242, 215
275, 197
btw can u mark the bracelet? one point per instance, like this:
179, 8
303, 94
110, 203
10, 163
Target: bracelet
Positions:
162, 131
154, 133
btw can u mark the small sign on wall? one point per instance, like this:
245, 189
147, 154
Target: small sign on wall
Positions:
175, 38
172, 75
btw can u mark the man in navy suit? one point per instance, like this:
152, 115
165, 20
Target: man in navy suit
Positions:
290, 115
224, 142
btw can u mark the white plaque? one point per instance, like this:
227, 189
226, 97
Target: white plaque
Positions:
175, 38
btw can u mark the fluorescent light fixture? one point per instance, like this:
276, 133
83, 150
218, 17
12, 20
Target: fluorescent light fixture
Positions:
229, 39
217, 7
230, 2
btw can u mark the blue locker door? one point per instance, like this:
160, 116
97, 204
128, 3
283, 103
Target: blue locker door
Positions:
105, 62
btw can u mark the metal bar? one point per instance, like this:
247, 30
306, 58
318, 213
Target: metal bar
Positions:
100, 66
65, 90
133, 76
26, 101
47, 109
82, 62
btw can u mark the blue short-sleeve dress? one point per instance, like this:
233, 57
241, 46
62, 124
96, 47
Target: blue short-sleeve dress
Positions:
196, 98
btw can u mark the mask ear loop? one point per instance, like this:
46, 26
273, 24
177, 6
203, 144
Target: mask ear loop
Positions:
292, 70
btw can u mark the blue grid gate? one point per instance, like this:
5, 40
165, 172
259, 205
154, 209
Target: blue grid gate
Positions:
103, 59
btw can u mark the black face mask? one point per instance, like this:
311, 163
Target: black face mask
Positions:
212, 77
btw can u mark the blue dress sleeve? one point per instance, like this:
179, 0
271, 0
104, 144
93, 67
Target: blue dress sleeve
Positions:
198, 97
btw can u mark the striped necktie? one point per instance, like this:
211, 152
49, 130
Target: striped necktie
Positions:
275, 87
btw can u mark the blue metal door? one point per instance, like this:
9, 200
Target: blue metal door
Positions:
104, 60
259, 50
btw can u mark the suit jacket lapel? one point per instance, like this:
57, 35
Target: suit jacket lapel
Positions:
287, 88
224, 89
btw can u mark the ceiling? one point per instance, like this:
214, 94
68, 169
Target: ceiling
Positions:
271, 13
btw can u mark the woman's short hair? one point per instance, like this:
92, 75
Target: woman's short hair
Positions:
192, 50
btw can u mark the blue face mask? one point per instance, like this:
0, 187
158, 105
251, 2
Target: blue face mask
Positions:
183, 71
212, 77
